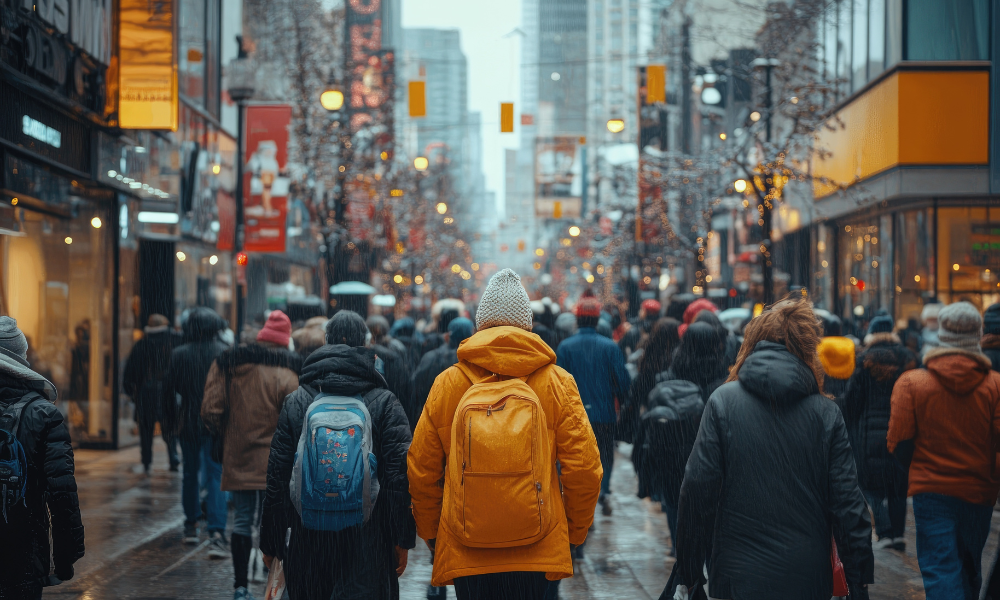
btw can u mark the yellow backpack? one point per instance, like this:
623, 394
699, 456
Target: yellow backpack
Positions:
500, 466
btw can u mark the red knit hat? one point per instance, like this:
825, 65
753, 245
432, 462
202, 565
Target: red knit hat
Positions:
588, 306
652, 307
277, 330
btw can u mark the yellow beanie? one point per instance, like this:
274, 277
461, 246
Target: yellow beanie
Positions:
837, 356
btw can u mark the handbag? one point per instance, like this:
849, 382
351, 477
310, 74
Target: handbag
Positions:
839, 576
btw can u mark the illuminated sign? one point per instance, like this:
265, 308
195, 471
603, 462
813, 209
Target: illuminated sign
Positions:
41, 132
147, 94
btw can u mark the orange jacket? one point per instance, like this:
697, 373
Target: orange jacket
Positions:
512, 352
951, 411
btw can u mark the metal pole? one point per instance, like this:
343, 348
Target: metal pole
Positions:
238, 242
767, 268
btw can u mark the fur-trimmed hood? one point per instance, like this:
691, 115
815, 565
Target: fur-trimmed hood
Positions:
258, 354
881, 338
959, 370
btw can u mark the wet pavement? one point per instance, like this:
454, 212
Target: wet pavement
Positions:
134, 551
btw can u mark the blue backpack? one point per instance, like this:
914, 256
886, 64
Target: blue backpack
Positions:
334, 483
13, 460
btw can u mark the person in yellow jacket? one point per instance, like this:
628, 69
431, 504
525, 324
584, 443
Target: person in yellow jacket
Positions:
504, 349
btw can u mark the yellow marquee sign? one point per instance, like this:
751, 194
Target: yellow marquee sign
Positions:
147, 93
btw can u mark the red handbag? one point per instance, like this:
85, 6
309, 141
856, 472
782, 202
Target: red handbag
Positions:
839, 576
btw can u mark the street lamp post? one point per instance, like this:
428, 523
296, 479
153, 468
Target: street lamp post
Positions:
240, 87
767, 266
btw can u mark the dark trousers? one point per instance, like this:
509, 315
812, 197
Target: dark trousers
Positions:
605, 434
146, 420
951, 534
889, 512
516, 585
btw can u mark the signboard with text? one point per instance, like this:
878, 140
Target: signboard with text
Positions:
147, 93
558, 177
265, 178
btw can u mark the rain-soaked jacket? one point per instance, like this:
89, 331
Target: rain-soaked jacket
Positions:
358, 562
512, 352
770, 478
245, 390
866, 407
951, 411
188, 370
431, 365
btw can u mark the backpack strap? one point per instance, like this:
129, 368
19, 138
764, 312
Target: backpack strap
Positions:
12, 414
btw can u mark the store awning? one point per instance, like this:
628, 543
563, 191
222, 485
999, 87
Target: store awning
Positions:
352, 288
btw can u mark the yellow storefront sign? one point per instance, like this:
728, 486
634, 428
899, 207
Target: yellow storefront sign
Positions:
147, 93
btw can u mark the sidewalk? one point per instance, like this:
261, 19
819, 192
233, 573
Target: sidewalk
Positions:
134, 551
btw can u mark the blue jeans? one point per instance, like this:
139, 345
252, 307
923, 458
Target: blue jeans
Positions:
246, 511
670, 510
197, 453
951, 534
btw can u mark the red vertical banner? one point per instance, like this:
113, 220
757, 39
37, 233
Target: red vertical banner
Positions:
265, 177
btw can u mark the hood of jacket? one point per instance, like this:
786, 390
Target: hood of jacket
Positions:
507, 350
202, 324
341, 369
958, 370
884, 338
836, 353
774, 374
258, 354
676, 399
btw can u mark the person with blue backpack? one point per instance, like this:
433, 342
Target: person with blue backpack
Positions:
38, 499
336, 475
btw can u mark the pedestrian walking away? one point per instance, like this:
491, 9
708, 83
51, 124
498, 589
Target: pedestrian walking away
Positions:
836, 354
349, 538
39, 501
866, 406
597, 365
991, 335
771, 476
244, 393
142, 380
185, 378
492, 430
657, 354
436, 362
945, 426
396, 365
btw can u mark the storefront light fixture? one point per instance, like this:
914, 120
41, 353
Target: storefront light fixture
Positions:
181, 256
167, 218
398, 279
722, 136
13, 201
955, 267
420, 163
96, 223
332, 98
441, 208
574, 231
419, 279
68, 240
539, 252
755, 116
216, 169
213, 260
916, 278
616, 125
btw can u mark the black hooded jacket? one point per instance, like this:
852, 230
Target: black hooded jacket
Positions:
358, 562
665, 436
431, 365
867, 404
24, 550
142, 378
770, 478
188, 370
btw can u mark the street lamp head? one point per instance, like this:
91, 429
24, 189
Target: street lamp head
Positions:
240, 75
740, 185
441, 208
332, 98
420, 163
574, 231
616, 125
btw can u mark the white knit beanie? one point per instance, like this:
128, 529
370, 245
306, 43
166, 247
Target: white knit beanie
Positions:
504, 302
961, 326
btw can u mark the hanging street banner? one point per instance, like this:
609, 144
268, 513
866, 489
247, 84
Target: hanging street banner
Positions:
265, 178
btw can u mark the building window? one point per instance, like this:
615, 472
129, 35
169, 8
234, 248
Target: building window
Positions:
947, 30
859, 62
876, 38
865, 276
914, 262
830, 42
844, 47
969, 247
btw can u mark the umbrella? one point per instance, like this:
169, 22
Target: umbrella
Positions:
352, 288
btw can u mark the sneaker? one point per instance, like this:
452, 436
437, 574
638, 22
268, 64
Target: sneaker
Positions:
242, 593
606, 507
191, 534
884, 544
434, 592
217, 547
577, 553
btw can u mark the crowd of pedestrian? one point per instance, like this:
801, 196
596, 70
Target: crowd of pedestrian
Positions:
776, 450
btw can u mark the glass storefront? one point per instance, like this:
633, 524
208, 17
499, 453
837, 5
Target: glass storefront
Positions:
203, 278
57, 282
969, 247
864, 249
915, 260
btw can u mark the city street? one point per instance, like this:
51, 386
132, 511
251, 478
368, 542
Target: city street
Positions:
134, 549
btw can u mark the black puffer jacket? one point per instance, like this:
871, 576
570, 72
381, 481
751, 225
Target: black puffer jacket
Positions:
24, 550
358, 562
431, 365
142, 378
666, 435
866, 406
188, 370
770, 478
397, 373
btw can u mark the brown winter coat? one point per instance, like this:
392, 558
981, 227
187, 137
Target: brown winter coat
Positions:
260, 376
951, 411
511, 352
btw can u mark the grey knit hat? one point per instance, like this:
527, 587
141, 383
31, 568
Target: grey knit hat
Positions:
504, 302
960, 326
12, 341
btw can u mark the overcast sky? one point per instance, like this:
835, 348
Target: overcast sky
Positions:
494, 73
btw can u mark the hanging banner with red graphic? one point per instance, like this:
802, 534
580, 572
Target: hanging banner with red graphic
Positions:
265, 178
